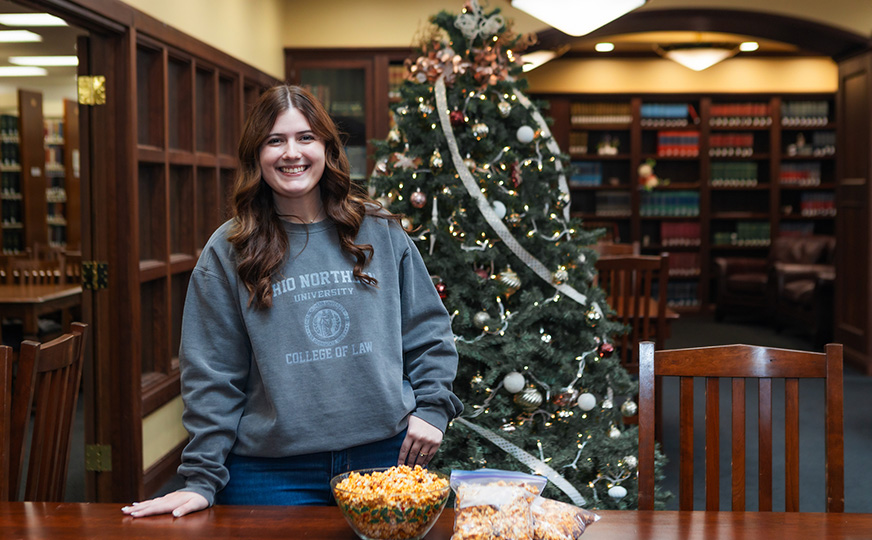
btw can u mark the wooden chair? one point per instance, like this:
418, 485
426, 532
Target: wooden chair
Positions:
629, 284
53, 372
5, 418
611, 249
741, 362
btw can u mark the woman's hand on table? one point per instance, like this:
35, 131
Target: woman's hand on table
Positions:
178, 503
421, 443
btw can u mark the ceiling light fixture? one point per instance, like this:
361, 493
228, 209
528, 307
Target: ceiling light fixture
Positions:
22, 71
44, 60
577, 17
19, 36
30, 19
749, 46
604, 46
697, 56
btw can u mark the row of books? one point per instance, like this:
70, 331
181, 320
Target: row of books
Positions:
817, 204
586, 173
800, 174
578, 142
795, 228
733, 174
684, 264
11, 183
805, 113
679, 234
8, 126
55, 194
740, 115
667, 114
10, 153
55, 214
396, 78
682, 294
13, 241
677, 143
823, 143
54, 130
54, 157
747, 233
670, 203
11, 211
731, 144
600, 113
612, 204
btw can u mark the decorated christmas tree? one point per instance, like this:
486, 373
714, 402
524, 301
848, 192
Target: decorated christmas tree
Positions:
472, 166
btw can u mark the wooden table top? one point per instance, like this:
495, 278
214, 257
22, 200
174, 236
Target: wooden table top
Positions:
63, 521
30, 294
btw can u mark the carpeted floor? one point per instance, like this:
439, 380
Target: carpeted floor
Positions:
698, 331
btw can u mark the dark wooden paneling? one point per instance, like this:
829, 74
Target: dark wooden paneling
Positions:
853, 326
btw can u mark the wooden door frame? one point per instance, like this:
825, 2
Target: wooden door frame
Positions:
109, 167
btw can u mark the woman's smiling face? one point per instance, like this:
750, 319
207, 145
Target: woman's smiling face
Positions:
292, 160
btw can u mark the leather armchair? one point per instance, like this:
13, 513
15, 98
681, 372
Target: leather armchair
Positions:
765, 288
742, 287
804, 293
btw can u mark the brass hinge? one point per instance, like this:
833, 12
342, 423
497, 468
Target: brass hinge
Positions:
98, 457
95, 275
92, 89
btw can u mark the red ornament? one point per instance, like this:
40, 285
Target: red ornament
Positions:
606, 350
456, 118
516, 174
442, 289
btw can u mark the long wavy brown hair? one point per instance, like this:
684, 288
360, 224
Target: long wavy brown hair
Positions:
257, 233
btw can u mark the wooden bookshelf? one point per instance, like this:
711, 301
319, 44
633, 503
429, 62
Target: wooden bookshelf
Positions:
741, 169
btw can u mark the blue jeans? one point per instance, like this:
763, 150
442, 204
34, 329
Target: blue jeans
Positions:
301, 480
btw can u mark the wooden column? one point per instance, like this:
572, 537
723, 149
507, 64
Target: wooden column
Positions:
853, 304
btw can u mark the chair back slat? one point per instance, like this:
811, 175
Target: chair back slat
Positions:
5, 418
738, 449
791, 445
712, 444
764, 444
685, 456
52, 372
738, 363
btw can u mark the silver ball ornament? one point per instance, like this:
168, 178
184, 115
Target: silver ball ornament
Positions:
514, 382
617, 492
505, 108
480, 130
525, 134
629, 408
631, 461
614, 432
528, 399
586, 401
481, 319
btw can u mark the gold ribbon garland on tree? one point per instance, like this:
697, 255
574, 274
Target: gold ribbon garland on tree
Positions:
485, 207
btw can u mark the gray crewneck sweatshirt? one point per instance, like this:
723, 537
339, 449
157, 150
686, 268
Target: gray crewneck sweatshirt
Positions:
332, 364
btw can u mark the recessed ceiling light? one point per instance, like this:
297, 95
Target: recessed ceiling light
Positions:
44, 60
749, 46
604, 47
18, 36
30, 19
22, 71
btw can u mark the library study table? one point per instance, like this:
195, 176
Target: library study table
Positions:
64, 521
28, 302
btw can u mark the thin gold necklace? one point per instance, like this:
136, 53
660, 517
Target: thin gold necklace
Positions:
294, 215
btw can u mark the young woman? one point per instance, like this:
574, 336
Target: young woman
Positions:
313, 340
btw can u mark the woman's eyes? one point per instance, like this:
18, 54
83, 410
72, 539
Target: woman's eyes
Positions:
307, 137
